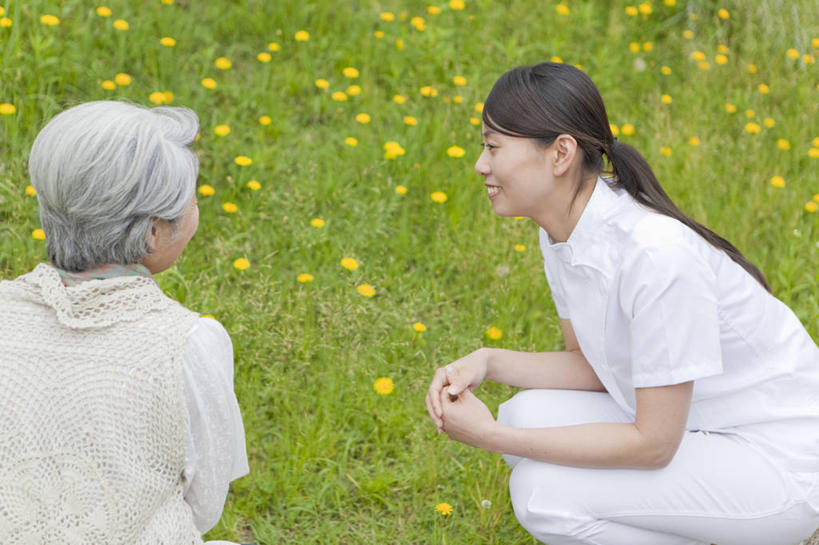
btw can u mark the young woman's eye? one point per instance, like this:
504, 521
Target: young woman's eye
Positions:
487, 146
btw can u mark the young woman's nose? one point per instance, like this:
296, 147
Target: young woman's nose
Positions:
482, 164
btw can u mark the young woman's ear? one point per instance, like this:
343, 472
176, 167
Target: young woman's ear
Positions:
565, 151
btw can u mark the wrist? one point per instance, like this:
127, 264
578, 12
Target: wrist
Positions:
490, 357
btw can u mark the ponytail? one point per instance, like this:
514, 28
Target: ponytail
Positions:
632, 173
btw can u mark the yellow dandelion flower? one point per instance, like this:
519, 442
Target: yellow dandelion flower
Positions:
479, 107
167, 2
752, 128
768, 122
264, 56
665, 70
121, 24
401, 190
104, 11
438, 196
387, 16
816, 198
632, 11
778, 181
814, 42
764, 89
241, 264
627, 129
363, 118
322, 83
520, 248
378, 34
666, 99
815, 142
5, 22
2, 10
457, 5
265, 120
615, 130
230, 208
167, 96
783, 144
317, 222
122, 79
474, 120
393, 150
350, 72
433, 10
688, 34
302, 36
49, 20
353, 90
221, 130
243, 160
409, 120
698, 55
670, 3
455, 151
349, 263
418, 23
157, 97
813, 153
339, 96
749, 113
493, 333
429, 91
223, 63
752, 68
459, 80
399, 99
792, 53
167, 41
562, 9
730, 108
648, 46
206, 190
807, 58
665, 150
723, 13
645, 8
444, 508
383, 386
108, 85
457, 99
351, 141
419, 327
38, 234
209, 83
634, 47
811, 206
720, 59
30, 191
366, 290
305, 277
555, 58
273, 46
694, 141
254, 185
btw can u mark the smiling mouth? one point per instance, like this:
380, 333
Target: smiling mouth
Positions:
492, 190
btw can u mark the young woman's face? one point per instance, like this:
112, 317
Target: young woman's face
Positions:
516, 172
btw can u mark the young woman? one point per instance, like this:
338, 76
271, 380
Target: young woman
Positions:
119, 420
685, 408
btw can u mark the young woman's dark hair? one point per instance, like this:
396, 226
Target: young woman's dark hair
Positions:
549, 99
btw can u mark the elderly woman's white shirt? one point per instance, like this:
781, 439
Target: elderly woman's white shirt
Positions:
216, 453
653, 304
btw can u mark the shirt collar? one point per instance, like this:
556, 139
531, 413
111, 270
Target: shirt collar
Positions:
106, 271
587, 242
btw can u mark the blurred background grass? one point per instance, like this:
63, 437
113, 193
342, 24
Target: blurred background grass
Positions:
332, 461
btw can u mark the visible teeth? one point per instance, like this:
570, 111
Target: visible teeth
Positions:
492, 190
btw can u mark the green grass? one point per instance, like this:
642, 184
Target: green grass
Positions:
331, 460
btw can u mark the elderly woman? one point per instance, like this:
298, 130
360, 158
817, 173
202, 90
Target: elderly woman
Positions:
119, 420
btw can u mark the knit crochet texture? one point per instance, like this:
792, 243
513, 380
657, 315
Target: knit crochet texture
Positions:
93, 428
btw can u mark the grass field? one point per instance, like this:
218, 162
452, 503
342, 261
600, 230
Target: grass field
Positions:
721, 98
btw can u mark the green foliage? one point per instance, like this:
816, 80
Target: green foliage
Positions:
331, 460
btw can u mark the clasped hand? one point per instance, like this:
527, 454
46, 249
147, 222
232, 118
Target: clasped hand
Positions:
453, 407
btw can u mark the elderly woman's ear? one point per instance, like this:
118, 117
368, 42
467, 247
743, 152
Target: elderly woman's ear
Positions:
166, 239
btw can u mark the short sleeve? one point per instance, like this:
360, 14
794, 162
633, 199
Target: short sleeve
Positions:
550, 265
216, 452
669, 292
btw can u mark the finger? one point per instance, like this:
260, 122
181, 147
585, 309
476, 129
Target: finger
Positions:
435, 418
438, 382
456, 383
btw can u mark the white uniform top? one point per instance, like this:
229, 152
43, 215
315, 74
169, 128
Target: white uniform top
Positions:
654, 304
216, 453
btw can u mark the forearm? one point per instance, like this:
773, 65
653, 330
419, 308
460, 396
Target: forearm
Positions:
557, 370
597, 445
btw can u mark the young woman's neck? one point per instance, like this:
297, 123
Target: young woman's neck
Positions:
562, 213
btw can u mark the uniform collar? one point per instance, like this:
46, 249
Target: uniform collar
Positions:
587, 244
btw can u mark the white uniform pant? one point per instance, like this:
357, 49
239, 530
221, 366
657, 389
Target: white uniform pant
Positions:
717, 489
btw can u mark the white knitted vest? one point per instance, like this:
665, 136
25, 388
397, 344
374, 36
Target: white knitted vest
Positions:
93, 425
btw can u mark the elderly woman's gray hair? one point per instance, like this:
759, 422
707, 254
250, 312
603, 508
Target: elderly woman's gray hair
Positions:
103, 171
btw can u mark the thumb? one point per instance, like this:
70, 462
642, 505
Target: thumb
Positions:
456, 383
